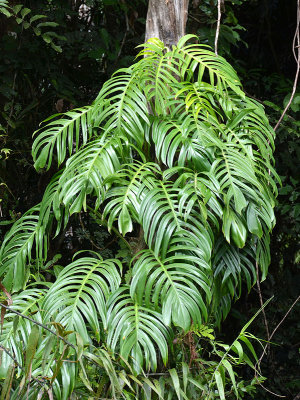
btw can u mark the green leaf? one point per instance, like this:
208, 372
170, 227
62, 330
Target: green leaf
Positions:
79, 294
87, 169
17, 8
36, 17
176, 382
31, 348
60, 134
175, 285
238, 232
220, 384
137, 330
229, 369
253, 221
58, 49
16, 249
122, 106
128, 187
7, 384
25, 11
125, 222
48, 23
5, 11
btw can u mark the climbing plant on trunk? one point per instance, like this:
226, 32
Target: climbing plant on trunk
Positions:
171, 149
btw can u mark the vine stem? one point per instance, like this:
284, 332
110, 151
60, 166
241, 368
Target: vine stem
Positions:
47, 329
39, 324
265, 348
262, 303
104, 222
40, 382
296, 38
218, 27
277, 326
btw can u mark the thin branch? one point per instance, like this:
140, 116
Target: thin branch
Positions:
124, 37
296, 37
271, 336
262, 303
278, 325
104, 222
195, 19
39, 324
218, 27
10, 356
41, 382
49, 330
270, 391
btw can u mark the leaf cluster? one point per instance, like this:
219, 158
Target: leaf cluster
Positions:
171, 152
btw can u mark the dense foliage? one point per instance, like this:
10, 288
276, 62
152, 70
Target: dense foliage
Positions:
145, 173
173, 150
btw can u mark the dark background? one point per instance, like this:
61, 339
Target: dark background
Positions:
42, 73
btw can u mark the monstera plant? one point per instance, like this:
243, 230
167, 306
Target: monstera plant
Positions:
174, 154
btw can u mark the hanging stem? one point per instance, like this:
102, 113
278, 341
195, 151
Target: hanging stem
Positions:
218, 27
296, 39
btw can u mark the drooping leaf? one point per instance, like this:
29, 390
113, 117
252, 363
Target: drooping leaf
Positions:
137, 330
60, 134
80, 292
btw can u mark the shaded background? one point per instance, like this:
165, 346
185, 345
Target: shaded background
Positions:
50, 68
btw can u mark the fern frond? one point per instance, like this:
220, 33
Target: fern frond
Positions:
30, 233
198, 59
162, 216
65, 134
231, 267
79, 294
16, 248
86, 170
129, 186
15, 330
173, 283
121, 106
177, 143
157, 76
51, 206
136, 331
200, 194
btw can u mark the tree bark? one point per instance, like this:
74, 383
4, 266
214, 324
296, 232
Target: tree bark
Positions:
166, 20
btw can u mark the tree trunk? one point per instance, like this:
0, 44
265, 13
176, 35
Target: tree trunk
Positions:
166, 20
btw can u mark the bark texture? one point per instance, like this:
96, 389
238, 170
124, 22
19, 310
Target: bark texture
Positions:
166, 20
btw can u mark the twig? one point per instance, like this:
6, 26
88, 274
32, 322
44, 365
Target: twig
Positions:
39, 324
296, 37
270, 338
104, 222
195, 19
124, 37
218, 27
270, 391
47, 329
262, 303
41, 382
10, 356
284, 317
91, 240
